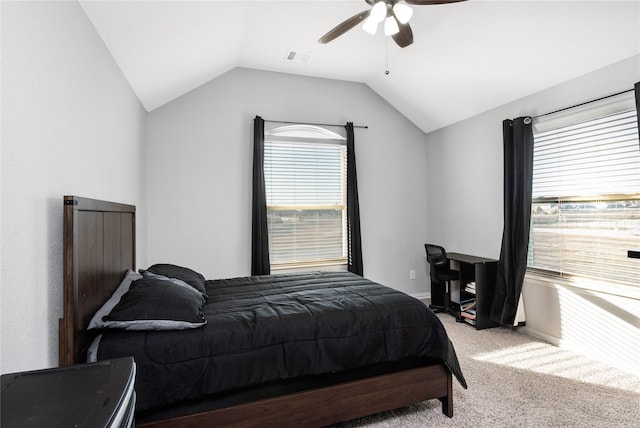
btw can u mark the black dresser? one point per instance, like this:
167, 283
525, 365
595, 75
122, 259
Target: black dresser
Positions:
92, 395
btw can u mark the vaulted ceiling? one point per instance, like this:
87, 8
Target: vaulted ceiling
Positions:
466, 57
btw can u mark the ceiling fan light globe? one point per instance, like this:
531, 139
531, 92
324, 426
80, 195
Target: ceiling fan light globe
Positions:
378, 11
390, 26
403, 12
370, 26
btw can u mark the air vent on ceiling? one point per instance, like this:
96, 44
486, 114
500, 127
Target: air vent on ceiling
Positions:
297, 56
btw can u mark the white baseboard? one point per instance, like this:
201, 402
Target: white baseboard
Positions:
540, 335
421, 296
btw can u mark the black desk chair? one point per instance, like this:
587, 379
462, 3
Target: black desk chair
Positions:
441, 274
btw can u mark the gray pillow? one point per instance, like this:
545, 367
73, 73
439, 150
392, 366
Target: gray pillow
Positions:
157, 304
96, 321
178, 282
191, 277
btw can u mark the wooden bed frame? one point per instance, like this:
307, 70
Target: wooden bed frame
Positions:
99, 246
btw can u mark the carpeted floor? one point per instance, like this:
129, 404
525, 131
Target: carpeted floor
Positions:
516, 380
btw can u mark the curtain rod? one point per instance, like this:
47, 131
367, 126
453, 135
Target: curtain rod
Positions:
584, 103
317, 124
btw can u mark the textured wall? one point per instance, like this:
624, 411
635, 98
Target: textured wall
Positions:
70, 125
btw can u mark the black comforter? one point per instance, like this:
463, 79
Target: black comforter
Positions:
267, 328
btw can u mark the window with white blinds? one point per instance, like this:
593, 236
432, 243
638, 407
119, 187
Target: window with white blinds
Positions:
586, 200
305, 183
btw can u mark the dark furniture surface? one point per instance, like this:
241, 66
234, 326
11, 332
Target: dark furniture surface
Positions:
441, 275
481, 271
99, 246
88, 395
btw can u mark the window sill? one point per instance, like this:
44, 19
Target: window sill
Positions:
586, 284
313, 268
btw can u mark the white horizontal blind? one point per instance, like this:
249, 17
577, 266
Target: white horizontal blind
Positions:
306, 202
586, 199
594, 158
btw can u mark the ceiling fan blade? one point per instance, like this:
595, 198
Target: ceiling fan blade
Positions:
344, 26
404, 37
428, 2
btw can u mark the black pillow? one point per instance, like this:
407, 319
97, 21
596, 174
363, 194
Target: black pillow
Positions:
156, 304
187, 275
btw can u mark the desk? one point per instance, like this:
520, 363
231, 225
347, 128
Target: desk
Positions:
476, 270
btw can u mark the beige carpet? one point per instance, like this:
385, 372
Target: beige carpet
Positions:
516, 380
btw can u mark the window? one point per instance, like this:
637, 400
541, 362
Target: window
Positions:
305, 183
586, 199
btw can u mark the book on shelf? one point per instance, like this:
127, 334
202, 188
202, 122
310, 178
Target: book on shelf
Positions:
469, 321
468, 304
468, 315
471, 290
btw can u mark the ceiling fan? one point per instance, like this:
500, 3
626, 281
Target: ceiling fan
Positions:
394, 13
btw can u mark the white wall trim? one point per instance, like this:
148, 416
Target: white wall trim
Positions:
421, 296
540, 335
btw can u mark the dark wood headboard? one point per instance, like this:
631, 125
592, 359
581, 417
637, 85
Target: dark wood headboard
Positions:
99, 247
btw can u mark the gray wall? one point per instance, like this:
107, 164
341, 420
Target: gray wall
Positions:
70, 125
465, 215
199, 172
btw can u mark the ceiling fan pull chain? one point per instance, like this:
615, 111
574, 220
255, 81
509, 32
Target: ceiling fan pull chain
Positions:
386, 56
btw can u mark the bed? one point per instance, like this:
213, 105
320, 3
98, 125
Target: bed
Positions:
298, 380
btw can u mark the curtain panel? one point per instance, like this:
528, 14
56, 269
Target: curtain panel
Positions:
518, 171
260, 264
354, 258
636, 89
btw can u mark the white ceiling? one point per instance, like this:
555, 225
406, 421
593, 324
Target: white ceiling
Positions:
466, 57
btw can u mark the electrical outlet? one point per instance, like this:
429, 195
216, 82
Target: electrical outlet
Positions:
412, 274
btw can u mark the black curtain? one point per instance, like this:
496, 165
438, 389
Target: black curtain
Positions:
636, 87
353, 207
260, 264
518, 170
